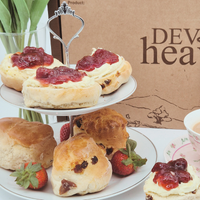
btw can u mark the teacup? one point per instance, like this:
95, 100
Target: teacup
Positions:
190, 120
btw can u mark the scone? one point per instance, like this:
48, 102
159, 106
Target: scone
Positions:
175, 180
79, 167
109, 70
16, 68
106, 126
22, 141
60, 88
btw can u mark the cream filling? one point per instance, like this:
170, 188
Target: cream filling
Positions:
84, 83
105, 69
7, 68
182, 189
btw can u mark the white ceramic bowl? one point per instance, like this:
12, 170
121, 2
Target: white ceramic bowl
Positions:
190, 120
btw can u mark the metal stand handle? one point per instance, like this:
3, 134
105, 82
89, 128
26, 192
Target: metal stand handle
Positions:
64, 9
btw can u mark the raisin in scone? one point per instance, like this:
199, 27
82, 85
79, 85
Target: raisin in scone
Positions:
106, 126
18, 67
79, 167
108, 69
60, 88
175, 180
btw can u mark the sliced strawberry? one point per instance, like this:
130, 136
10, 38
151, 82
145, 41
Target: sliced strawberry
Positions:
65, 132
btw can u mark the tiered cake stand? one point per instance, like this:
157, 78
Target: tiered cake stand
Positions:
117, 185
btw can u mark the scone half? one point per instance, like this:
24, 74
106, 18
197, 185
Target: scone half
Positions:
13, 77
195, 195
68, 95
108, 69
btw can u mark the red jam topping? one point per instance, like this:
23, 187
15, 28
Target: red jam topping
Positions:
170, 175
100, 57
58, 75
31, 57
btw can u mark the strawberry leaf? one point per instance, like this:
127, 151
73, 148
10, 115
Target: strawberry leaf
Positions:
128, 161
139, 162
34, 181
132, 144
123, 151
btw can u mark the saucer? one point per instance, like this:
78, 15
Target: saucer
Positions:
182, 148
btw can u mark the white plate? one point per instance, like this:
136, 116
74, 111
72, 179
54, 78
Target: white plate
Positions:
16, 98
116, 186
182, 148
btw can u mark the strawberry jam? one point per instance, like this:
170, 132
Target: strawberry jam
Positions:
58, 75
170, 175
31, 57
100, 57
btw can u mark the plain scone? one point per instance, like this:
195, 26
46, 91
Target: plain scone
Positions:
106, 126
190, 196
79, 167
22, 141
14, 78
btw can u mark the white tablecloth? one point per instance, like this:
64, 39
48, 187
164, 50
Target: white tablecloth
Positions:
160, 137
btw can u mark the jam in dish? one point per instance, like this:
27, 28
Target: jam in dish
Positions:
96, 60
58, 75
31, 57
170, 175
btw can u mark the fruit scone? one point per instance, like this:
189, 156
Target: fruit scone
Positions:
175, 180
106, 126
79, 167
16, 68
109, 70
60, 88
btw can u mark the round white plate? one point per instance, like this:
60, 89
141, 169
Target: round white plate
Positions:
16, 98
182, 148
116, 186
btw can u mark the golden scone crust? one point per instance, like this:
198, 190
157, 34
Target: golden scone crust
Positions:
195, 195
22, 141
106, 126
111, 82
61, 98
13, 77
79, 167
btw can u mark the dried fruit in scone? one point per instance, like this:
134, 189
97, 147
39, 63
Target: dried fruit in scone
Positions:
60, 88
106, 126
79, 167
109, 70
175, 180
16, 68
22, 141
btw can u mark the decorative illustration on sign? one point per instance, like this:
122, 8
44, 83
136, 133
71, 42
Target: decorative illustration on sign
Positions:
159, 113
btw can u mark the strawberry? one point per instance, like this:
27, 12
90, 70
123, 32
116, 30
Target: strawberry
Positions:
126, 161
31, 175
65, 132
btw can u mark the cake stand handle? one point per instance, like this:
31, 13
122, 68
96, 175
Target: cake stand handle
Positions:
64, 9
71, 119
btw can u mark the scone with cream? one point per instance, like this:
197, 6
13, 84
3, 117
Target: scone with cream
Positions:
79, 167
175, 180
60, 88
22, 141
16, 68
106, 126
108, 69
